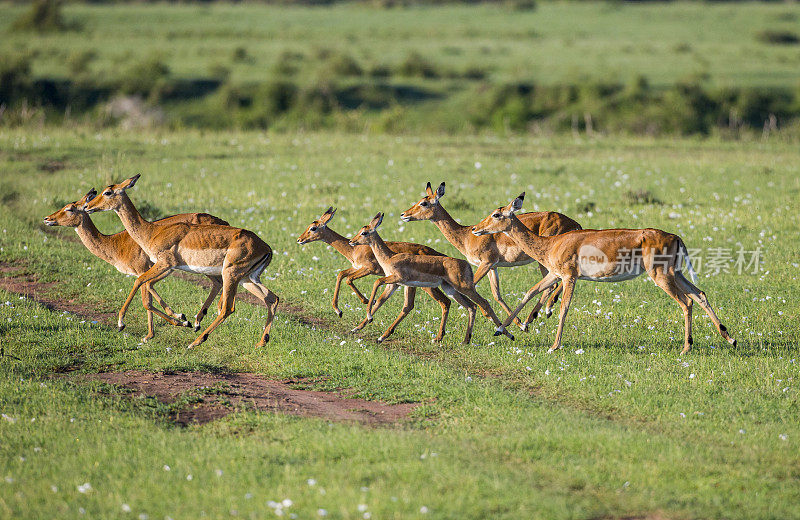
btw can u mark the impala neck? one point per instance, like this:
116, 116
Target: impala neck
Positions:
454, 232
338, 242
92, 239
532, 244
380, 249
135, 224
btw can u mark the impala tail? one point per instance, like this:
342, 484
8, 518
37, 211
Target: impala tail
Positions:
684, 253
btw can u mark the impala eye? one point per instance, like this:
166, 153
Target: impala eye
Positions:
424, 203
108, 193
363, 233
496, 215
313, 228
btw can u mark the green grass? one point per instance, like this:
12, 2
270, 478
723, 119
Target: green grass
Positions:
627, 427
559, 42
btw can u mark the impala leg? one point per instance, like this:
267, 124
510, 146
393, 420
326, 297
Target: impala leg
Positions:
359, 273
408, 306
216, 287
339, 277
568, 285
535, 312
543, 284
440, 297
373, 305
470, 306
147, 301
483, 305
555, 292
229, 286
494, 285
270, 300
158, 271
169, 312
670, 286
700, 297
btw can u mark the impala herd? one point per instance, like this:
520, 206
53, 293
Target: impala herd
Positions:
204, 244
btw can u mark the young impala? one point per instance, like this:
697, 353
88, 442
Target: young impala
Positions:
128, 258
492, 251
606, 255
236, 255
453, 275
364, 263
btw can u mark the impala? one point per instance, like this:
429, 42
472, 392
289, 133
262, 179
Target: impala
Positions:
490, 252
236, 255
453, 275
363, 264
127, 257
606, 255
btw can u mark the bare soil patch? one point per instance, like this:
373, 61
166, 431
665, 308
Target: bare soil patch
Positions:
43, 293
221, 394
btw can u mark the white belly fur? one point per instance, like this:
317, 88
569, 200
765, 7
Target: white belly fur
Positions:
621, 277
201, 269
421, 284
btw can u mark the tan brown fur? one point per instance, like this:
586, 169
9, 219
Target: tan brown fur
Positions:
492, 251
656, 252
363, 263
453, 275
236, 255
127, 257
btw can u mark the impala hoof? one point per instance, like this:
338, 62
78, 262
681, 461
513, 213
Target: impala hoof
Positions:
120, 327
499, 330
338, 313
524, 327
197, 327
732, 341
380, 339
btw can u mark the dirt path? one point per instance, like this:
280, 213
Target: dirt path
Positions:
44, 294
221, 394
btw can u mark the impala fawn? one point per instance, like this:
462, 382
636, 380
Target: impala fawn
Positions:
453, 275
363, 264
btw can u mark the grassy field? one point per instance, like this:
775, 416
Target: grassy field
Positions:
558, 42
615, 425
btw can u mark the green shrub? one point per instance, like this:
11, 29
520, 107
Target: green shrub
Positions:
416, 65
145, 77
343, 65
15, 77
42, 16
240, 55
641, 196
78, 62
778, 37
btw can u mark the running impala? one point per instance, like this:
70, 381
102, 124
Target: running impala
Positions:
128, 258
452, 275
363, 264
605, 255
237, 255
493, 251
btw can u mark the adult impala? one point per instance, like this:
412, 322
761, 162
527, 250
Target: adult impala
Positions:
606, 255
237, 255
127, 257
363, 263
453, 275
491, 251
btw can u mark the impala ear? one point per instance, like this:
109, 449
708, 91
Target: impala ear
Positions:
327, 216
429, 190
440, 191
124, 185
376, 221
87, 198
516, 204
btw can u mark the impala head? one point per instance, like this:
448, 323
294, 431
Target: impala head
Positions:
72, 214
364, 234
314, 231
500, 219
424, 209
111, 197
